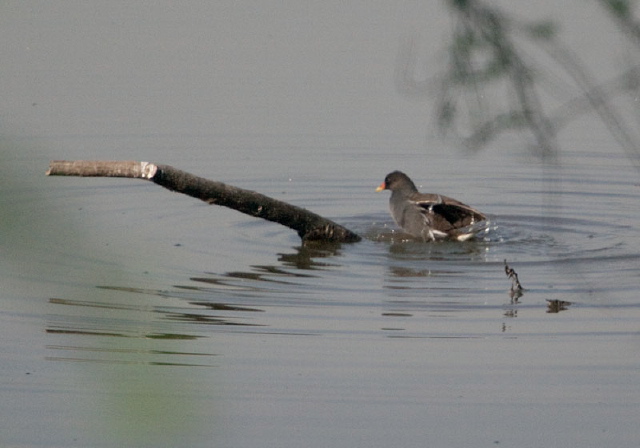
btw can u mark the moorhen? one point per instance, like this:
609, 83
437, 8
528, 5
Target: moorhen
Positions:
427, 216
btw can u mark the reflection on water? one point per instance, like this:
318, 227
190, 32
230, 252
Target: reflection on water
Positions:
414, 277
408, 286
119, 325
555, 306
308, 256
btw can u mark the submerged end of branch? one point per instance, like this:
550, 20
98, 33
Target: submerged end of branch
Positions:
331, 232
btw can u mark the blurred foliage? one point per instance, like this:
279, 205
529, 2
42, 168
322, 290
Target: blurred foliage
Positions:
493, 81
47, 251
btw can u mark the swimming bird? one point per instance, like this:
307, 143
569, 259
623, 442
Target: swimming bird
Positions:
429, 216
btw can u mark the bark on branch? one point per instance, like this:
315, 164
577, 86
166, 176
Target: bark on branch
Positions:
308, 225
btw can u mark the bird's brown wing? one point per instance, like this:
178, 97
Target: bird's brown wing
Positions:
456, 213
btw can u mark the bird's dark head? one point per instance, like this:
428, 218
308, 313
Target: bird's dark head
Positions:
397, 180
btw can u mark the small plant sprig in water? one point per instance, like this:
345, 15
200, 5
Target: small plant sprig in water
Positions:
516, 287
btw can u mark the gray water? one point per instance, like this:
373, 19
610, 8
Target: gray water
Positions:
133, 316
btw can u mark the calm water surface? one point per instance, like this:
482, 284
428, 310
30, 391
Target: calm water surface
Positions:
131, 316
141, 317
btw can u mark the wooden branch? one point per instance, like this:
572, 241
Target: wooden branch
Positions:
308, 225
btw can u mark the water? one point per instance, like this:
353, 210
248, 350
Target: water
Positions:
133, 316
152, 317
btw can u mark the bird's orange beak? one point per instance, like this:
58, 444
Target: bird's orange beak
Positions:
381, 187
